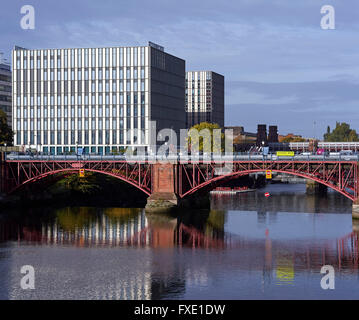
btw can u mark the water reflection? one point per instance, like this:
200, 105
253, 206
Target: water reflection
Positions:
85, 226
114, 253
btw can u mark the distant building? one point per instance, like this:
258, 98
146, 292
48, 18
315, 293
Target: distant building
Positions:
273, 134
5, 91
242, 140
261, 135
291, 137
241, 136
204, 98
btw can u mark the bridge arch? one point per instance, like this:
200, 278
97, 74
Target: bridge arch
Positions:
49, 173
246, 172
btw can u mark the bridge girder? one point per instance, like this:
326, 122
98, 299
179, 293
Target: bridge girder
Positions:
189, 178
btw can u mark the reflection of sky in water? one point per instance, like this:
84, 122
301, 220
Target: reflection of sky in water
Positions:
256, 248
288, 225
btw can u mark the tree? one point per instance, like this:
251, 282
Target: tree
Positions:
6, 133
84, 185
293, 139
341, 133
202, 142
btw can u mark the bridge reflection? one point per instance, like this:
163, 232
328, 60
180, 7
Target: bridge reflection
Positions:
85, 227
279, 260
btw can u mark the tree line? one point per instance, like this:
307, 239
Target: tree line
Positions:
341, 133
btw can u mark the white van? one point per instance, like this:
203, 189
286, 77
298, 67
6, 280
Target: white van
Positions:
346, 154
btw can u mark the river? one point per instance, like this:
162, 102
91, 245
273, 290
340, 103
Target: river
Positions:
247, 246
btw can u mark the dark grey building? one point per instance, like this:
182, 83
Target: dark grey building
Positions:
204, 98
5, 91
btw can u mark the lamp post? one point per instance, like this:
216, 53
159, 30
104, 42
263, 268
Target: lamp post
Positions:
35, 143
263, 149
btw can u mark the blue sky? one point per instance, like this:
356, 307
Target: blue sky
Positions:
280, 66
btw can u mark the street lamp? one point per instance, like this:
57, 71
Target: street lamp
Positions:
35, 142
263, 149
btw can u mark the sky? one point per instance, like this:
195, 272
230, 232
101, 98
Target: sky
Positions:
280, 67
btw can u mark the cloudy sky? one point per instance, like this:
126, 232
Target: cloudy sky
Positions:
280, 66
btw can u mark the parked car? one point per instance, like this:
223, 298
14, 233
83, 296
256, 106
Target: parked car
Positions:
346, 154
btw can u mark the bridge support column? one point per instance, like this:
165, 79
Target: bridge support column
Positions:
355, 209
2, 174
163, 197
314, 187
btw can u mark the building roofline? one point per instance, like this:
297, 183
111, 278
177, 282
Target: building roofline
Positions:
205, 71
102, 47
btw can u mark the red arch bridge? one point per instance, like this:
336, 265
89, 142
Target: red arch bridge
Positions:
177, 180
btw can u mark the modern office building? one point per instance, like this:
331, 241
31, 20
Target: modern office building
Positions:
5, 90
97, 99
204, 98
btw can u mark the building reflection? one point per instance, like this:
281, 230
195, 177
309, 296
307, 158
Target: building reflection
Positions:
172, 237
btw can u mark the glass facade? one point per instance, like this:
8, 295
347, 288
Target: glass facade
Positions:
204, 98
95, 98
64, 97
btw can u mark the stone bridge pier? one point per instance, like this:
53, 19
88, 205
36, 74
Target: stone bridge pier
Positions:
163, 196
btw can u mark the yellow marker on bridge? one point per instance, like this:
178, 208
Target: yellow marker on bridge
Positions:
81, 173
285, 153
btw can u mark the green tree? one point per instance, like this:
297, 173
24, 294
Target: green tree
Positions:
293, 139
6, 133
341, 133
202, 142
84, 185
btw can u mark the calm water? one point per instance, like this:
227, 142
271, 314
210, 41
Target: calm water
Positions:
248, 246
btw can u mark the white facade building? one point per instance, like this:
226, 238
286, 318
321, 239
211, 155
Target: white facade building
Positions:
99, 99
204, 98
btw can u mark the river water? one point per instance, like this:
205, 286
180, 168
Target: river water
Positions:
247, 246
